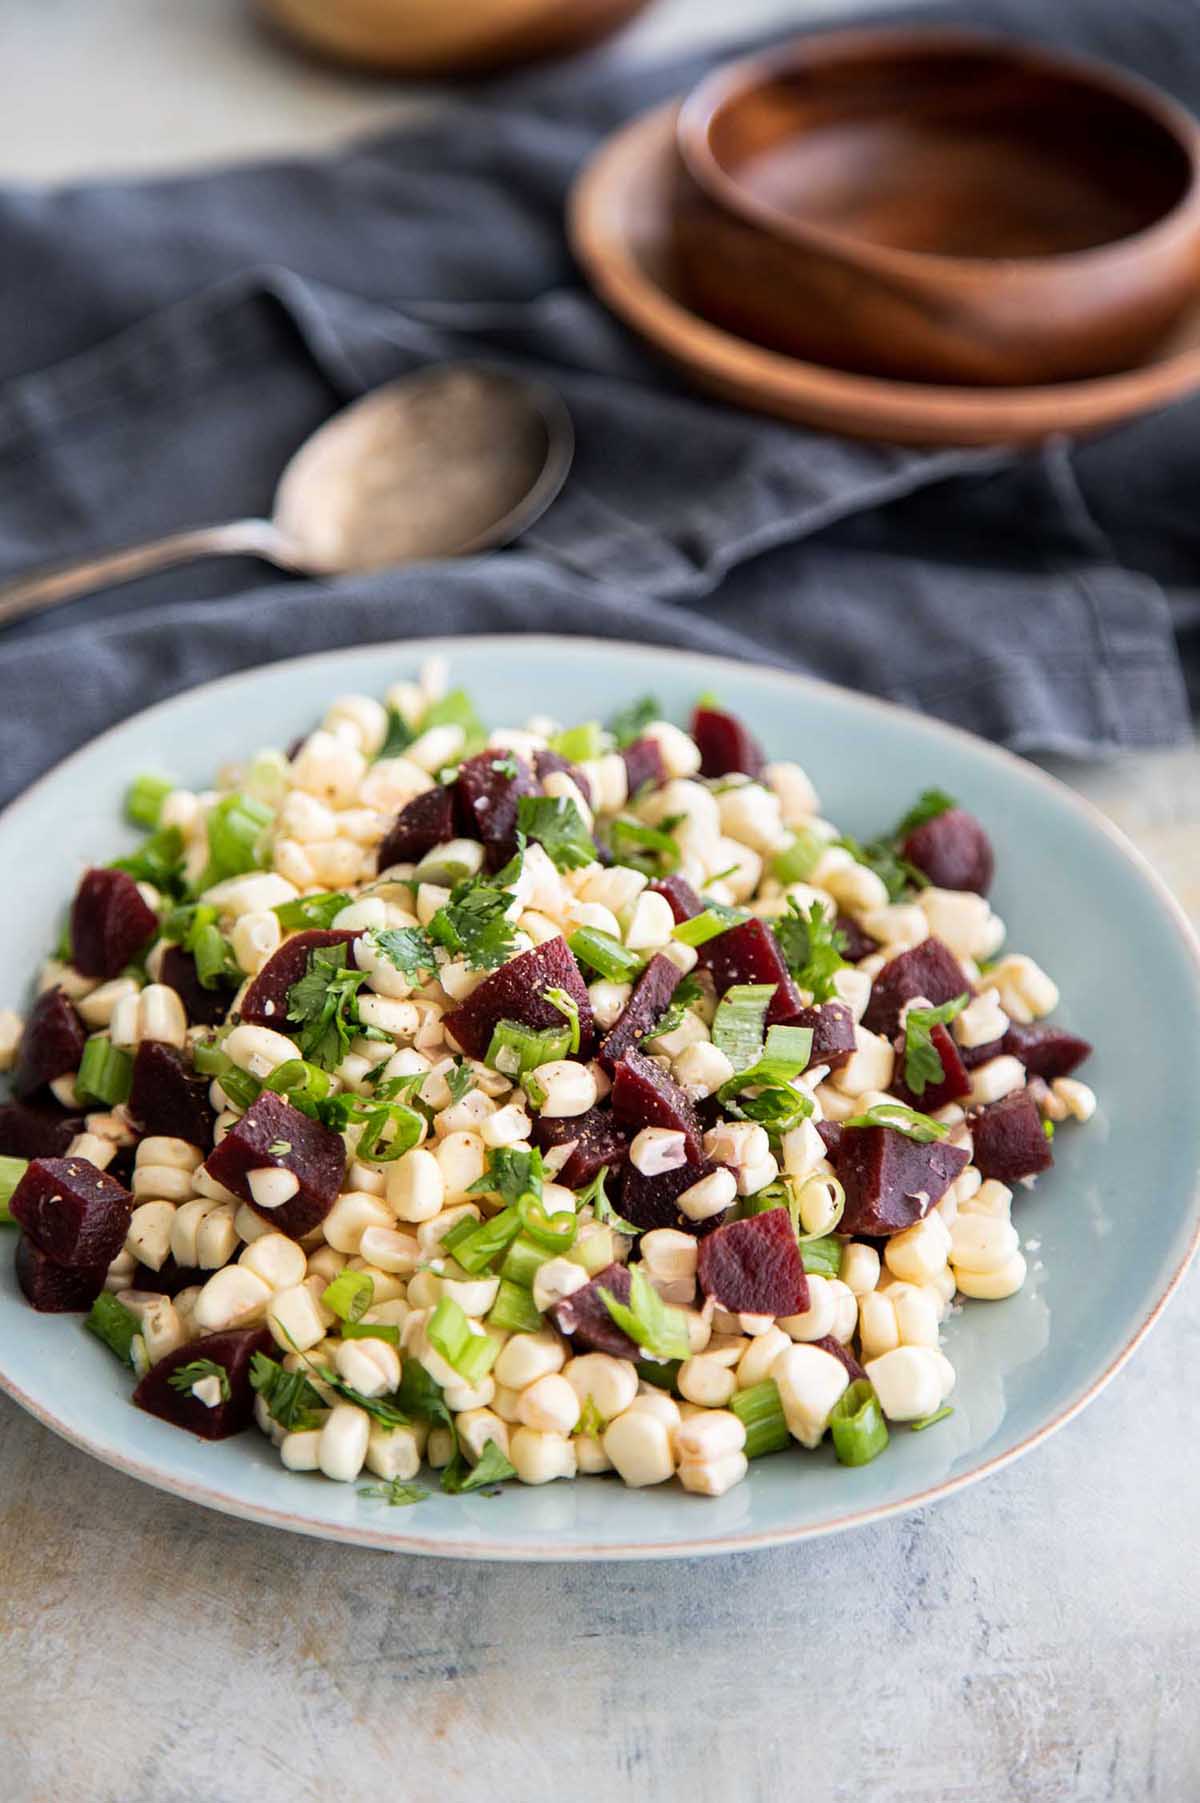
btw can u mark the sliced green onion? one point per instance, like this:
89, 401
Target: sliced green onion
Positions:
761, 1414
482, 1242
448, 1330
522, 1262
477, 1358
516, 1050
513, 1310
144, 799
212, 954
105, 1073
651, 849
605, 954
580, 744
662, 1373
490, 1468
857, 1425
568, 1007
703, 927
113, 1324
596, 1250
738, 1024
797, 861
919, 1427
822, 1257
350, 1295
370, 1330
553, 1233
919, 1127
650, 1322
207, 1058
311, 911
11, 1172
210, 1061
302, 1084
236, 830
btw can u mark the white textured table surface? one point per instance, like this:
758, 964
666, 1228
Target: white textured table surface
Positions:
1035, 1639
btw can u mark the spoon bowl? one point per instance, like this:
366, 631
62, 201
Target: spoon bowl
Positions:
449, 461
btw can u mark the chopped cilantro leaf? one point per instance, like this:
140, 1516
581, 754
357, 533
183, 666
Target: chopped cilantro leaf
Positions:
557, 825
812, 948
185, 1377
395, 1492
882, 856
474, 924
323, 1004
460, 1080
631, 722
922, 1061
291, 1399
491, 1468
650, 1322
602, 1208
928, 805
410, 949
400, 735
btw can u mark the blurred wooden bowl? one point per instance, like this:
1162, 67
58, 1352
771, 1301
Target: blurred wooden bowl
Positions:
447, 37
939, 205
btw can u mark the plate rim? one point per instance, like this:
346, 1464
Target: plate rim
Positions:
499, 1551
827, 398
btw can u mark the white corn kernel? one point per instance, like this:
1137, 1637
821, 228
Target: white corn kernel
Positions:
809, 1381
389, 1250
701, 1069
651, 923
797, 797
555, 1280
680, 754
550, 1405
860, 1267
1026, 992
506, 1127
713, 1477
394, 1452
216, 1238
12, 1028
980, 1242
97, 1008
342, 1450
706, 1380
232, 1297
994, 1285
610, 1383
302, 1451
845, 1311
525, 1357
817, 1319
755, 1363
461, 1160
963, 921
278, 1260
710, 1434
329, 768
149, 1235
710, 1196
362, 719
258, 1050
1078, 1099
638, 1444
656, 1150
608, 1001
295, 1318
416, 1190
669, 1254
917, 1254
439, 746
870, 1066
476, 1427
539, 1458
568, 1088
371, 1367
350, 1217
908, 1381
982, 1021
272, 1186
997, 1078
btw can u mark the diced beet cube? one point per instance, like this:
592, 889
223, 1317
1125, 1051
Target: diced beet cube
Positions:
685, 903
51, 1045
891, 1180
426, 821
110, 923
74, 1213
315, 1155
37, 1129
975, 1055
831, 1134
265, 1003
56, 1289
856, 944
832, 1027
754, 1267
929, 969
234, 1351
170, 1278
486, 798
546, 763
167, 1097
648, 1003
644, 767
203, 1007
644, 1096
595, 1139
726, 747
1010, 1141
1046, 1052
585, 1319
517, 992
953, 851
649, 1202
841, 1353
955, 1082
749, 953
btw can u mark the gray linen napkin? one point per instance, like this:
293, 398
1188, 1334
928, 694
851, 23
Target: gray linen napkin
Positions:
166, 345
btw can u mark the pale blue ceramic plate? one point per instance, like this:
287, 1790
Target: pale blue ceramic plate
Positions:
1116, 1222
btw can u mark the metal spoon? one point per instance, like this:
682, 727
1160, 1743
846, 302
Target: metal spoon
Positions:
455, 459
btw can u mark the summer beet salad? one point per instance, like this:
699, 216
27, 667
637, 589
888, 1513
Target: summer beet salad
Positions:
551, 1101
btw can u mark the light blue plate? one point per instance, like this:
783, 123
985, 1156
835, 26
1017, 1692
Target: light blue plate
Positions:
1114, 1224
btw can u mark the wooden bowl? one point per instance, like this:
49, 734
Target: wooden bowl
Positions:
939, 205
447, 37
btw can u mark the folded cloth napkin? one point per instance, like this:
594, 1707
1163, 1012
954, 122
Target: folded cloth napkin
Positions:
165, 345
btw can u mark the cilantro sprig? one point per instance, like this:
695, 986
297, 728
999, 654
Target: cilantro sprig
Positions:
186, 1377
324, 1006
922, 1060
292, 1400
558, 826
812, 947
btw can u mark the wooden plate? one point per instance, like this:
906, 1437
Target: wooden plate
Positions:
619, 220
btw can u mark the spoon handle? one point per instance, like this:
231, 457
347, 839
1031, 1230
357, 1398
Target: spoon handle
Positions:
246, 538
